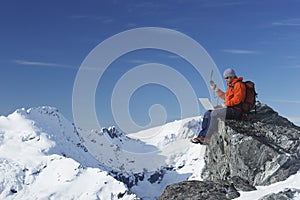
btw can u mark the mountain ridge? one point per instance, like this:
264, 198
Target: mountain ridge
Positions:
40, 158
52, 139
39, 144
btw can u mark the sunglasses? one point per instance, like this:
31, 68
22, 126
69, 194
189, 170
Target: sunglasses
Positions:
227, 77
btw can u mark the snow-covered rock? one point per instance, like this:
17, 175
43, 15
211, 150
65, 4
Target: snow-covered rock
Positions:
248, 155
41, 157
149, 160
208, 190
44, 156
285, 194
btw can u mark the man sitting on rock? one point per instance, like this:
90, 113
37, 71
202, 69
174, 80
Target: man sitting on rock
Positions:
233, 97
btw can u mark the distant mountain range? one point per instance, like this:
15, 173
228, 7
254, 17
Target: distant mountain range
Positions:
44, 156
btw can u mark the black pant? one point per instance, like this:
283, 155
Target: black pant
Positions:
209, 121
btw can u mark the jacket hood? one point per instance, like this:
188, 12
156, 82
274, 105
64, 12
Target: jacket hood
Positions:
236, 79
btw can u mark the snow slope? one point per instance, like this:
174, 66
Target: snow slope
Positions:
43, 156
292, 182
149, 160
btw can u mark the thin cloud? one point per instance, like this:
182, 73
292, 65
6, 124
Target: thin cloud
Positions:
148, 5
284, 101
292, 57
293, 67
131, 25
239, 51
208, 3
78, 17
102, 19
137, 61
41, 64
213, 3
287, 22
105, 20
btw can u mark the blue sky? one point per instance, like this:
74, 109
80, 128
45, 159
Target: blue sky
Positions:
43, 44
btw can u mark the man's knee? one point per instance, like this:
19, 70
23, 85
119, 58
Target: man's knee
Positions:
207, 114
219, 113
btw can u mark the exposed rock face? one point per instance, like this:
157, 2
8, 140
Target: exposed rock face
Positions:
192, 190
245, 154
261, 151
283, 195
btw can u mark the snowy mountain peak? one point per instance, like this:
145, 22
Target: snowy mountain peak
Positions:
42, 110
39, 144
41, 157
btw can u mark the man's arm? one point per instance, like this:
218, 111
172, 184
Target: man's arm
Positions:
221, 94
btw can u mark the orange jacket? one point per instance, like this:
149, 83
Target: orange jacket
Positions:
235, 94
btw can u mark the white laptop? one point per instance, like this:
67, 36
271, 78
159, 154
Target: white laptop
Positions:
208, 105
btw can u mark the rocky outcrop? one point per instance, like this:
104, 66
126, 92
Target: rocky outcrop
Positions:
244, 154
192, 190
283, 195
261, 151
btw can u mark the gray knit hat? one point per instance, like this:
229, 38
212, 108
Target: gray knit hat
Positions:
229, 73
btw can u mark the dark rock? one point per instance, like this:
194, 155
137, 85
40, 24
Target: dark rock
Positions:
156, 176
192, 190
263, 150
12, 190
287, 194
129, 180
241, 184
113, 132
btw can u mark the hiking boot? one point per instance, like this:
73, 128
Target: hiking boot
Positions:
197, 140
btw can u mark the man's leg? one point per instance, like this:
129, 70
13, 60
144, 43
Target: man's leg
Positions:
205, 123
233, 113
210, 125
205, 126
215, 114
